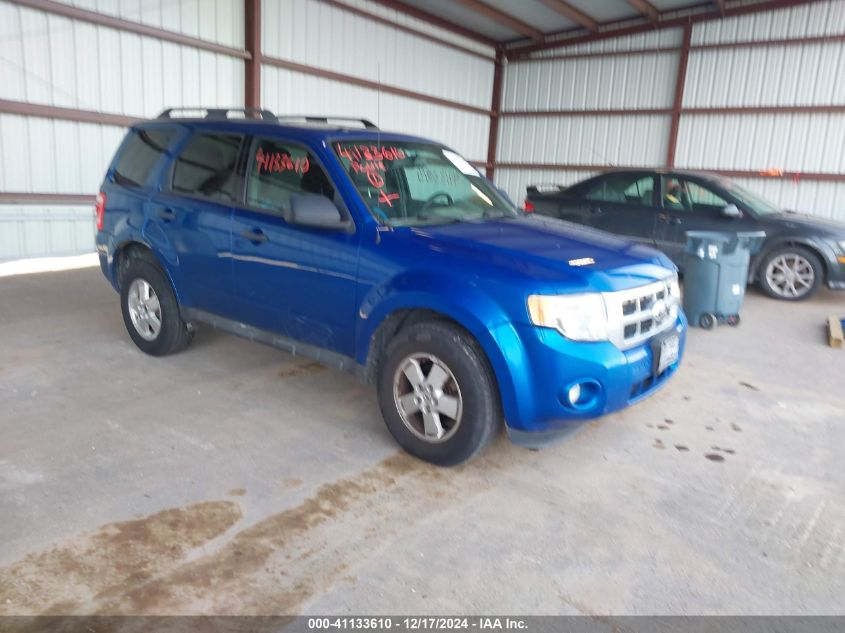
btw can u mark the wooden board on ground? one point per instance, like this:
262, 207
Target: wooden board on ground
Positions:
834, 332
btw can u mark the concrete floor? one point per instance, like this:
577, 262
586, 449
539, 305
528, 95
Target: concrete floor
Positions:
233, 478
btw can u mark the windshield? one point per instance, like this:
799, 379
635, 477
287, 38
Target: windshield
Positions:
413, 184
760, 205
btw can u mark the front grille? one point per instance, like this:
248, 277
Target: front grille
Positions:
637, 314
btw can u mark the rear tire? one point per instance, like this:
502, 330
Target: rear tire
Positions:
150, 310
437, 393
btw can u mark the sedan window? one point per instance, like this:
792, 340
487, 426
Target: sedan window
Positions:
624, 188
681, 194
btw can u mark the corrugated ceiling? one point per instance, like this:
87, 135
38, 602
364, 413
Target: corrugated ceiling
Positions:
538, 15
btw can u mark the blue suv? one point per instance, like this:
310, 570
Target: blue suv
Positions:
392, 257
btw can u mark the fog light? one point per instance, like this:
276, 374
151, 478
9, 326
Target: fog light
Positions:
574, 394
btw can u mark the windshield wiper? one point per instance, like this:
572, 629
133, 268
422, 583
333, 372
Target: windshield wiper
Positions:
428, 218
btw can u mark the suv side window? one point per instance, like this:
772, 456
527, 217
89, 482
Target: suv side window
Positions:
279, 169
624, 189
207, 168
143, 150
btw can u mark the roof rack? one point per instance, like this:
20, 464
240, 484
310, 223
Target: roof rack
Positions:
219, 113
308, 118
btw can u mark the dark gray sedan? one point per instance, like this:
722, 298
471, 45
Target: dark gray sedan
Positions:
657, 208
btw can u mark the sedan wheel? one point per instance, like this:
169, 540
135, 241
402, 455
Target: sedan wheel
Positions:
790, 275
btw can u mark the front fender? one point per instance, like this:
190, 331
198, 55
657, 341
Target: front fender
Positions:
819, 247
464, 303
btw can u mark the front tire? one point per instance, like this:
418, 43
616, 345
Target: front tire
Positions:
150, 310
791, 273
437, 393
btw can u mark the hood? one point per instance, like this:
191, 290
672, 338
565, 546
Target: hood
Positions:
549, 251
812, 223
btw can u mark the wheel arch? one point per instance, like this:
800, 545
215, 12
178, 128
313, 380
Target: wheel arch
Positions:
768, 249
134, 248
500, 344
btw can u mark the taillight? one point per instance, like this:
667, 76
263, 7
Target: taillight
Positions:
528, 207
100, 210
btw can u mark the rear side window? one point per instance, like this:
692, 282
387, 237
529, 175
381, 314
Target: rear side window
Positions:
625, 189
279, 170
207, 167
140, 155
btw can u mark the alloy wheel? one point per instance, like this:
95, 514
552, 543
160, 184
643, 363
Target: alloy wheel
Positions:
427, 397
790, 275
144, 309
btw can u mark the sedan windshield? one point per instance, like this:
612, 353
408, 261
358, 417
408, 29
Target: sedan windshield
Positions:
412, 184
759, 204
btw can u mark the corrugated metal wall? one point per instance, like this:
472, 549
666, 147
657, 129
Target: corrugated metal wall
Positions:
809, 74
52, 60
620, 82
805, 74
317, 34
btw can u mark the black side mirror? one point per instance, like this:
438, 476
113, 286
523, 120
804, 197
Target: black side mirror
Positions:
316, 211
731, 211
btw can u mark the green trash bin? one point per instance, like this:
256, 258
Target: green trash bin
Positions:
716, 274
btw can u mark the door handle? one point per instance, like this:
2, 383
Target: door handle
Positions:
255, 236
595, 210
167, 214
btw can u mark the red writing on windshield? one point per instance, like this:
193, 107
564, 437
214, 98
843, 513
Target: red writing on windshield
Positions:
387, 198
360, 152
373, 169
278, 162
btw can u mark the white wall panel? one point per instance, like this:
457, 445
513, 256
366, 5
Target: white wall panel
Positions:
663, 38
317, 34
50, 156
36, 231
56, 61
791, 142
585, 140
514, 181
404, 19
286, 91
220, 21
636, 81
807, 74
806, 20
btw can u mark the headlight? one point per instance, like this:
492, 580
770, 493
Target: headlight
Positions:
842, 246
674, 288
580, 317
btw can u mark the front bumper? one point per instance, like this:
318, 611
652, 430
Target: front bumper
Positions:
619, 379
836, 273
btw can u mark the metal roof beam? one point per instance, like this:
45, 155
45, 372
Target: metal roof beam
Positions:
610, 30
571, 13
505, 19
437, 21
647, 9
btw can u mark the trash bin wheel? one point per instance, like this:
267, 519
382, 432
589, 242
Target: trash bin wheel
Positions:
732, 320
707, 321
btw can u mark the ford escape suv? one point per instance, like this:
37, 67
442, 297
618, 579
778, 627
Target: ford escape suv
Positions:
389, 256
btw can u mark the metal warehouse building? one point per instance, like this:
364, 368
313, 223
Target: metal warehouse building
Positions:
546, 92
